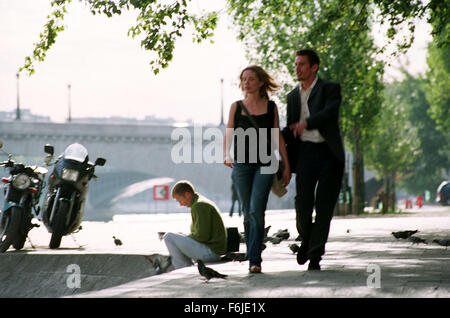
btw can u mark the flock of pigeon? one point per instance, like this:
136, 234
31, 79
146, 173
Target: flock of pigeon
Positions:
281, 235
409, 235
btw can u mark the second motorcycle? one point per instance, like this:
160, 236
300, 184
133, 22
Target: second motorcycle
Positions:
68, 187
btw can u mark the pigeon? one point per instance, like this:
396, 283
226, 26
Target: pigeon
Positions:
266, 231
232, 256
117, 241
294, 248
241, 257
417, 240
161, 263
278, 237
404, 234
282, 234
274, 239
161, 235
207, 272
442, 242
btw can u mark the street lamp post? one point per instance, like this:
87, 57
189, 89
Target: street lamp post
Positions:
221, 102
69, 119
18, 99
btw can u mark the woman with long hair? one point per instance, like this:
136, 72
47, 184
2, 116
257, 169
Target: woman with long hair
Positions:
255, 120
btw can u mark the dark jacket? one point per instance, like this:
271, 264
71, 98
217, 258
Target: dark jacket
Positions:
323, 103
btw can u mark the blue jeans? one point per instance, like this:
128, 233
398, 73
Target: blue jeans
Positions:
183, 250
253, 189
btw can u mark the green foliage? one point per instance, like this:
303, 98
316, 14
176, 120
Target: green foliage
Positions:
396, 143
337, 30
396, 12
426, 170
158, 24
204, 27
53, 26
438, 86
407, 141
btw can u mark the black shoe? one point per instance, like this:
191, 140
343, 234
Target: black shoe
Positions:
302, 256
313, 266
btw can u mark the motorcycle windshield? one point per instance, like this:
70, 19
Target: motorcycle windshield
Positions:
76, 152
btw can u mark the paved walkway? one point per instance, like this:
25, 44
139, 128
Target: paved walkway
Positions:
359, 251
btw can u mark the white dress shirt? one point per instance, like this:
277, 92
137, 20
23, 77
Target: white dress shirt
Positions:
312, 135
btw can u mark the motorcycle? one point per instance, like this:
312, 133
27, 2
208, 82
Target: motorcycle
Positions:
22, 191
68, 186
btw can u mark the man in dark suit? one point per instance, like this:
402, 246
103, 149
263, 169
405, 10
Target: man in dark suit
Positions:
312, 116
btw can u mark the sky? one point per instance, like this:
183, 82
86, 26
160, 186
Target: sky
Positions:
109, 72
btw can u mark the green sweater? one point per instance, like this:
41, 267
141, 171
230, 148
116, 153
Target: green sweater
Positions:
207, 226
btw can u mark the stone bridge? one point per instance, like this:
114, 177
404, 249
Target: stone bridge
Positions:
138, 157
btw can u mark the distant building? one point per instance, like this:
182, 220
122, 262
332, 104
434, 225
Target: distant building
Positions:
148, 120
25, 115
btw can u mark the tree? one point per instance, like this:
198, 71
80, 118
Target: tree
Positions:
425, 172
394, 13
273, 29
437, 87
159, 24
339, 32
395, 144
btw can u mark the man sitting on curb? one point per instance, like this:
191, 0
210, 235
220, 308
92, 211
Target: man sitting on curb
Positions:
208, 237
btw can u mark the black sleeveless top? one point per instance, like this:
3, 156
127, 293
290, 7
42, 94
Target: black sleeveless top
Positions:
247, 138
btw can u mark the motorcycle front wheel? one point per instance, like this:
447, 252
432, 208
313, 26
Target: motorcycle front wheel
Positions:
9, 228
23, 233
59, 224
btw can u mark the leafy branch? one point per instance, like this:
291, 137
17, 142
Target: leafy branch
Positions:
53, 26
159, 24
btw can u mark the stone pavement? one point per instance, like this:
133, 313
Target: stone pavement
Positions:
406, 270
361, 255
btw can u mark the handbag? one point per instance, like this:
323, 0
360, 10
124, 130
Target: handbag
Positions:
278, 187
233, 239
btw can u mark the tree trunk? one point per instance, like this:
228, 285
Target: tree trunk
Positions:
392, 203
388, 197
358, 174
386, 193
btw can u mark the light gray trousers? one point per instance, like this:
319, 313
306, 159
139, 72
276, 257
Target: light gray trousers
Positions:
183, 250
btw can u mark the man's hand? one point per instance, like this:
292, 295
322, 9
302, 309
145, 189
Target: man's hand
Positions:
298, 128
